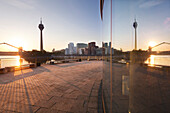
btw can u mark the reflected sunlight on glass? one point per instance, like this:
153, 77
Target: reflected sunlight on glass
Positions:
152, 60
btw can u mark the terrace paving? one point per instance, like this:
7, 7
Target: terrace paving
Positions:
61, 88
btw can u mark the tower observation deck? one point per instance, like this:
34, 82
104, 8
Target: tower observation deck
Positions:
41, 27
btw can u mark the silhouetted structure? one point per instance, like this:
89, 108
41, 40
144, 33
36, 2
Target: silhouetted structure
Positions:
135, 26
41, 27
150, 48
92, 48
20, 49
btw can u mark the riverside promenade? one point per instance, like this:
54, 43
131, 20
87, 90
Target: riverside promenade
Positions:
61, 88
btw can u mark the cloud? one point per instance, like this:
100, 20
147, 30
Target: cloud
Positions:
22, 4
150, 3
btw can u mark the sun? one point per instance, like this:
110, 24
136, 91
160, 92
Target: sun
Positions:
152, 44
12, 43
18, 42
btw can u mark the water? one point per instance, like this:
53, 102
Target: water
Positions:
7, 61
163, 60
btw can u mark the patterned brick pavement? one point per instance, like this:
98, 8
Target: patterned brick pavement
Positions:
61, 88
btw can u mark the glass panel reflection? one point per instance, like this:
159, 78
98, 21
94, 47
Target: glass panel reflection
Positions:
138, 72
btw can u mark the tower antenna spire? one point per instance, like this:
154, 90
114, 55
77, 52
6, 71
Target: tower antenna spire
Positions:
41, 20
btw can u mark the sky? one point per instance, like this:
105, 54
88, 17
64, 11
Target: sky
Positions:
78, 21
64, 21
152, 16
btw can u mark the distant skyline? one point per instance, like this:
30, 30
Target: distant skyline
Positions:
78, 21
64, 21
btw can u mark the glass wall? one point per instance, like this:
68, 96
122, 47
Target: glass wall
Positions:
136, 51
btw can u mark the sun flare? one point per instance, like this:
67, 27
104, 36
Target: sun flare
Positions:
152, 44
17, 42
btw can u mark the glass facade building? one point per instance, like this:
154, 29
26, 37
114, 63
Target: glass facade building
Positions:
136, 77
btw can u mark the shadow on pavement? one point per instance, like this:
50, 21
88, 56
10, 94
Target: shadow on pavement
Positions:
11, 77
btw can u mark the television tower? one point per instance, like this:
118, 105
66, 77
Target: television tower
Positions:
135, 26
41, 27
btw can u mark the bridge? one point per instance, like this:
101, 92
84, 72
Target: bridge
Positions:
150, 48
9, 53
20, 50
